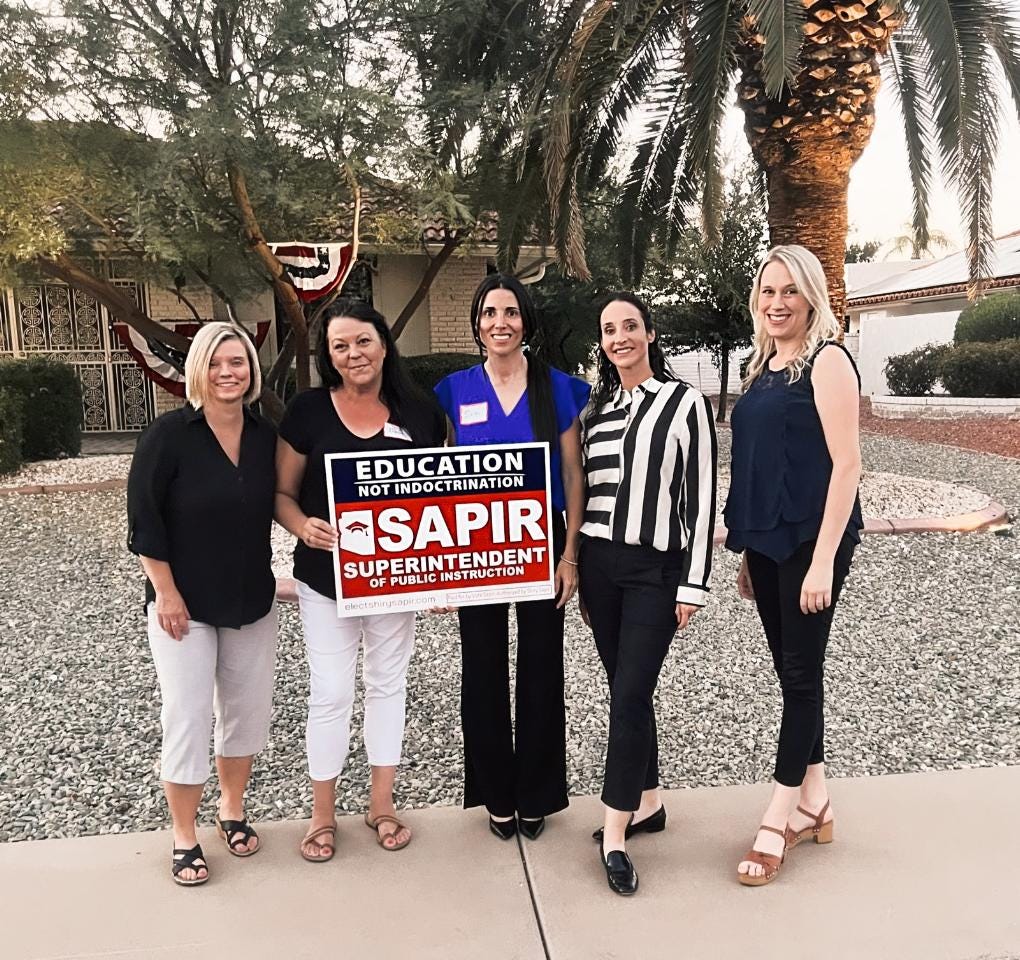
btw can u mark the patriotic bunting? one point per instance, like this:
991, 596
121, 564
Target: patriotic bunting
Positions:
316, 269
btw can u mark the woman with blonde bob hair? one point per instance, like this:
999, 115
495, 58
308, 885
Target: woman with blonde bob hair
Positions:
794, 514
200, 510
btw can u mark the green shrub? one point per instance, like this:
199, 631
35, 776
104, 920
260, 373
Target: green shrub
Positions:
914, 374
10, 432
983, 369
50, 396
429, 368
995, 318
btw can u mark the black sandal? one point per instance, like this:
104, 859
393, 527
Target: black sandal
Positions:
188, 860
236, 832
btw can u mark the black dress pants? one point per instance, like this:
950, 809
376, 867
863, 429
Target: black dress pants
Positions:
630, 595
520, 768
797, 642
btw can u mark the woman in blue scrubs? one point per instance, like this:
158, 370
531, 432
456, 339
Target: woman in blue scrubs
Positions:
518, 771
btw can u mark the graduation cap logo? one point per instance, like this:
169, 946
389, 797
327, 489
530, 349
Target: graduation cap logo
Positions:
357, 532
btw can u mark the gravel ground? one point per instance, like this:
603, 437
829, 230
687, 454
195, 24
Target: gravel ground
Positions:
923, 673
76, 470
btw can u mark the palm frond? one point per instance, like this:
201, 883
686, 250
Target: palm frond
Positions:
979, 140
902, 71
656, 192
714, 38
781, 22
519, 208
964, 90
1004, 39
663, 28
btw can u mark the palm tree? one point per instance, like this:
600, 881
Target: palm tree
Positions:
806, 75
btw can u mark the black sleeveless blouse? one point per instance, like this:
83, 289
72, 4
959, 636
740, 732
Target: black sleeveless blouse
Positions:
780, 466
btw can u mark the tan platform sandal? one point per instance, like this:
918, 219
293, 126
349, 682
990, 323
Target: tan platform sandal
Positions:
398, 826
768, 861
819, 832
314, 837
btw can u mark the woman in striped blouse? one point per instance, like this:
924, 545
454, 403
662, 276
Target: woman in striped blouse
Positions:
646, 554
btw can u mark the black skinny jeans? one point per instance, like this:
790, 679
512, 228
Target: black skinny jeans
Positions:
797, 642
520, 768
630, 595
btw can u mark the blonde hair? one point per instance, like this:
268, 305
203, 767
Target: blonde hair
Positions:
809, 278
200, 354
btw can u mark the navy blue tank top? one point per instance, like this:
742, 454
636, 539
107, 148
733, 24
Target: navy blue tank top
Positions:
780, 466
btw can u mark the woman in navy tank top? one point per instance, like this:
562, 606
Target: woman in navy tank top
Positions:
794, 512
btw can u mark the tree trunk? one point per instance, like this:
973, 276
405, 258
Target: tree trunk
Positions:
435, 265
282, 286
808, 205
724, 380
119, 303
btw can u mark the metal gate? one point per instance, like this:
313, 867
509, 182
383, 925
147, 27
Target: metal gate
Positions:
53, 320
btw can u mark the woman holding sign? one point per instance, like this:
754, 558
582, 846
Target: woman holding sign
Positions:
518, 770
646, 553
366, 402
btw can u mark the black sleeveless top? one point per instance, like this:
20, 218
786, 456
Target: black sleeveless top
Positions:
780, 466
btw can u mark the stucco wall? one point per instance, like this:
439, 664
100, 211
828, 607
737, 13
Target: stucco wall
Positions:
395, 281
885, 336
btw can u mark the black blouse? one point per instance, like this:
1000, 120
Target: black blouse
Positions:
313, 428
211, 521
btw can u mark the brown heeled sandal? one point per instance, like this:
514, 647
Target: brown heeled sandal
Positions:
768, 861
819, 832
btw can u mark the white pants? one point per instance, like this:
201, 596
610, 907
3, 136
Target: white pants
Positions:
212, 671
332, 643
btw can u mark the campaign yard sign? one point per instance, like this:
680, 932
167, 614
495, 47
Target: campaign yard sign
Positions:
444, 526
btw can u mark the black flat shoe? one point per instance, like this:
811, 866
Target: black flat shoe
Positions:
532, 829
620, 872
655, 823
504, 829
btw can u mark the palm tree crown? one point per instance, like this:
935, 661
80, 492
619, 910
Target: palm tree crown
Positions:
806, 75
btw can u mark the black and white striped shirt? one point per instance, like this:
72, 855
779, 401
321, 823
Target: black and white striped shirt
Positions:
650, 464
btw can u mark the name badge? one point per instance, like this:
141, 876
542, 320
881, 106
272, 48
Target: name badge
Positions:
471, 413
396, 432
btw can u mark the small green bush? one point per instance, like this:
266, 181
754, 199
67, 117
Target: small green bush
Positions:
50, 395
914, 374
983, 369
429, 368
10, 432
995, 318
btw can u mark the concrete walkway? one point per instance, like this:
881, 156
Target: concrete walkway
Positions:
924, 866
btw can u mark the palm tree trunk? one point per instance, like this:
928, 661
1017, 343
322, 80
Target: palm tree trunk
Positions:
808, 205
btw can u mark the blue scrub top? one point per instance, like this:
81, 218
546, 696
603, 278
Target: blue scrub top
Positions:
471, 403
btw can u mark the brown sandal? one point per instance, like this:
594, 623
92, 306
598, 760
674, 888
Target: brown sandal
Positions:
313, 837
769, 861
374, 825
820, 832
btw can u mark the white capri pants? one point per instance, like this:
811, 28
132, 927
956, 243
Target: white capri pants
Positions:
213, 671
332, 643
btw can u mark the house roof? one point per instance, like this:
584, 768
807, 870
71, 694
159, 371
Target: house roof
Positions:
861, 275
950, 274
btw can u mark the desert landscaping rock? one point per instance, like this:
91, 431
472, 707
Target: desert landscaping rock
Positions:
923, 672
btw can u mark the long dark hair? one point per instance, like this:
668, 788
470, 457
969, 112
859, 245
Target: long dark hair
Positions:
398, 392
607, 376
540, 396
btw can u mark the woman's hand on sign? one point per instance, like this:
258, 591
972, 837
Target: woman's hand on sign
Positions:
566, 582
318, 534
442, 610
172, 613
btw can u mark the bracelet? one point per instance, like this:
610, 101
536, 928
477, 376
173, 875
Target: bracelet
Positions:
573, 563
